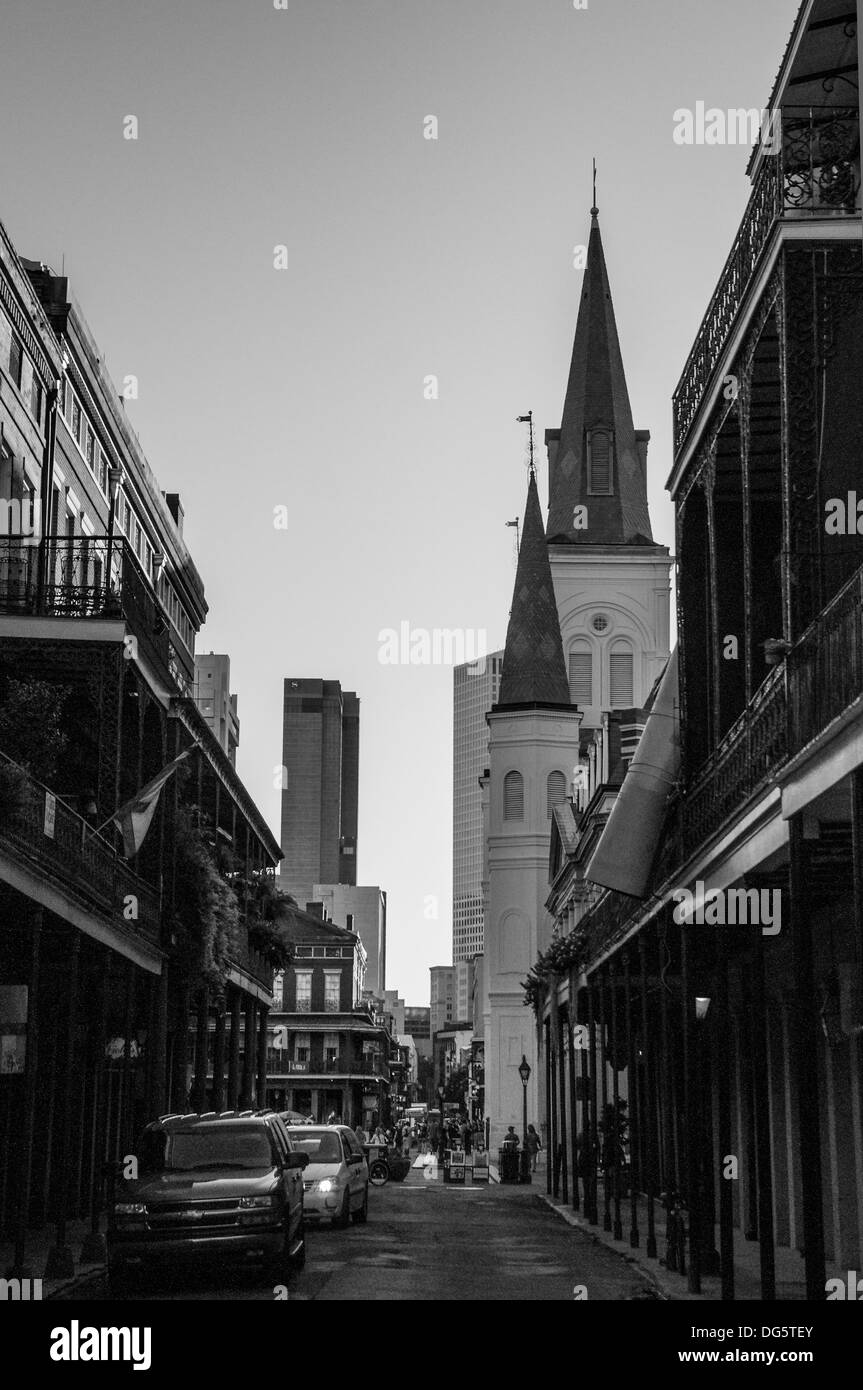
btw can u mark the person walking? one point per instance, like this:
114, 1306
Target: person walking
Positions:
362, 1135
534, 1145
511, 1139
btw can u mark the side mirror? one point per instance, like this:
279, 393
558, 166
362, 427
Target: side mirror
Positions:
296, 1160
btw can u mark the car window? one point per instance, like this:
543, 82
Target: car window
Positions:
353, 1145
322, 1146
280, 1139
219, 1146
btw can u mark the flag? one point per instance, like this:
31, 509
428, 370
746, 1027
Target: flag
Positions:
134, 817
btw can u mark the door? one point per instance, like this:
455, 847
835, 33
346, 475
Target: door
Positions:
357, 1169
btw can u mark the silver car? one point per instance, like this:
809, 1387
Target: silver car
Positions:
336, 1180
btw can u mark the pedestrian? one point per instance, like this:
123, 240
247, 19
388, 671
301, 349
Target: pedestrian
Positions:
362, 1134
534, 1145
379, 1137
510, 1139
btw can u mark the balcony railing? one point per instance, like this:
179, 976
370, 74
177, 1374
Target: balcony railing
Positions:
45, 832
339, 1066
75, 586
826, 666
815, 173
246, 958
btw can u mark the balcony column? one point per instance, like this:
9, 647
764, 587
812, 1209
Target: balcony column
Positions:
549, 1093
857, 854
691, 1109
648, 1112
60, 1263
125, 1122
93, 1248
760, 1064
562, 1032
588, 1072
19, 1270
615, 1118
263, 1013
247, 1094
634, 1127
159, 1044
723, 1078
234, 1053
601, 1126
806, 1047
571, 1025
219, 1058
179, 1097
199, 1083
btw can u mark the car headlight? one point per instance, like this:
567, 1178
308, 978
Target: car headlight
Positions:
327, 1185
273, 1200
130, 1209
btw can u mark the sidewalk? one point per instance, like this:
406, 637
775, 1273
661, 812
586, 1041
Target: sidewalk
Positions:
39, 1244
790, 1273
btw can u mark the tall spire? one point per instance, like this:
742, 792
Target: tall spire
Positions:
597, 425
534, 672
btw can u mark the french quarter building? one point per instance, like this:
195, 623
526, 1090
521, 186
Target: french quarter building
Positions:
709, 942
113, 975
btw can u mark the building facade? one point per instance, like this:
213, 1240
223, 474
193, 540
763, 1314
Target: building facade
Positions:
111, 970
475, 687
721, 976
362, 910
328, 1052
442, 997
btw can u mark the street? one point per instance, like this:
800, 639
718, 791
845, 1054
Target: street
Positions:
427, 1240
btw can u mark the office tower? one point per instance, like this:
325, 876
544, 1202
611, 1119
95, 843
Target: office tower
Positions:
364, 911
320, 757
475, 688
215, 701
441, 997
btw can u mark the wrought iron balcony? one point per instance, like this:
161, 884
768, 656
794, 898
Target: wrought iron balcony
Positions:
337, 1066
826, 666
815, 173
50, 837
74, 584
252, 963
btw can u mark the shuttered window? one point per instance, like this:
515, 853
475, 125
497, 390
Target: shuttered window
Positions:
555, 791
600, 454
620, 672
581, 677
513, 796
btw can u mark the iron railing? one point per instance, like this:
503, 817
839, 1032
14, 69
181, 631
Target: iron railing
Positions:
340, 1066
815, 172
74, 584
43, 831
252, 963
826, 666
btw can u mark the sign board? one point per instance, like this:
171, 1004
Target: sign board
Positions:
50, 814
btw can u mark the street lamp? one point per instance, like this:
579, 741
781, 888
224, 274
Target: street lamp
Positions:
524, 1073
441, 1090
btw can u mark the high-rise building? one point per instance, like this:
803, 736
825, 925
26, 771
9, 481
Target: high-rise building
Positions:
320, 781
364, 911
441, 997
215, 701
475, 688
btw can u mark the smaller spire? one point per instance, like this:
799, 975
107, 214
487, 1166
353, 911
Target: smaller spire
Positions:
534, 671
594, 211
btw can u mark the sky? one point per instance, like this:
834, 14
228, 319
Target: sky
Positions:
307, 387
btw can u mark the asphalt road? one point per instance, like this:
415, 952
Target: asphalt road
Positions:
427, 1240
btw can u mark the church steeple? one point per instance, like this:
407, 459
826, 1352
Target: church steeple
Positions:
534, 672
597, 460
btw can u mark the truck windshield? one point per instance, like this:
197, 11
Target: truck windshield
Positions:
205, 1146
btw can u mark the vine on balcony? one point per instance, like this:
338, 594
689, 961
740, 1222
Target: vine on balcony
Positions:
564, 954
206, 911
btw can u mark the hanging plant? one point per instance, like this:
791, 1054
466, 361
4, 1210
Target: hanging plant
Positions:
207, 916
565, 953
266, 912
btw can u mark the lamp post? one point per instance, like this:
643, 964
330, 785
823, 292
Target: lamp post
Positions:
524, 1073
441, 1144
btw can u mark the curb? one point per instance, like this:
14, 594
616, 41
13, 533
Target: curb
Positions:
662, 1287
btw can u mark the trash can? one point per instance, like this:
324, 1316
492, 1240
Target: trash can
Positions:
507, 1163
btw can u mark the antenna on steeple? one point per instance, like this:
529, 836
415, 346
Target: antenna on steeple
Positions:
528, 420
594, 211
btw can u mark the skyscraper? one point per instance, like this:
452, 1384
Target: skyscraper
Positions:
475, 688
320, 756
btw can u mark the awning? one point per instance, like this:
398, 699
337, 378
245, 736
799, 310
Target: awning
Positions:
627, 847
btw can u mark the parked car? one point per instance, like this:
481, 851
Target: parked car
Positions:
336, 1182
223, 1188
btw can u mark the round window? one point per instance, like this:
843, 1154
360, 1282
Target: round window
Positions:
600, 623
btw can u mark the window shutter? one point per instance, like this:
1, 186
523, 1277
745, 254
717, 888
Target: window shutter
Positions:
581, 678
556, 791
513, 796
600, 454
621, 680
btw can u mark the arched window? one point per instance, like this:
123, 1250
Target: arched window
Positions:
555, 791
600, 462
513, 796
620, 676
581, 674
